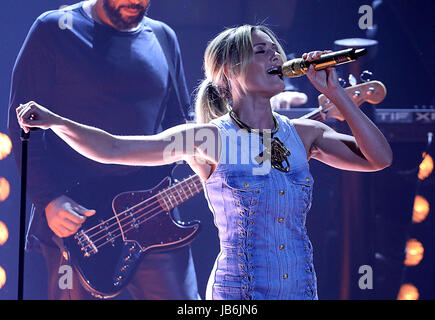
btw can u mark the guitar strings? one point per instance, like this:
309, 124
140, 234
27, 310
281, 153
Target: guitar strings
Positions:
120, 226
120, 234
134, 227
126, 216
139, 222
140, 203
121, 230
316, 115
177, 198
107, 228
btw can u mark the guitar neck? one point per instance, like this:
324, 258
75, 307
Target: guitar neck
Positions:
180, 192
373, 92
314, 114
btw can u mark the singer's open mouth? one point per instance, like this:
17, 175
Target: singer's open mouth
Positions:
276, 71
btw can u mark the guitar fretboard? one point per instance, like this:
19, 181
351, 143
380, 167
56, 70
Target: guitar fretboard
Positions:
178, 193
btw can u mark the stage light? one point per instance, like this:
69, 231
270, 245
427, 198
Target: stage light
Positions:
421, 209
408, 292
5, 188
2, 277
414, 252
4, 233
426, 167
5, 146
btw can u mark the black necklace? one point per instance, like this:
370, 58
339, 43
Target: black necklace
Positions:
277, 153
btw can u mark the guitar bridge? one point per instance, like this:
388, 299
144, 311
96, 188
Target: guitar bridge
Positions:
86, 244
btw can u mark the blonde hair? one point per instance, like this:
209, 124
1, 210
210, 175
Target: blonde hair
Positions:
226, 57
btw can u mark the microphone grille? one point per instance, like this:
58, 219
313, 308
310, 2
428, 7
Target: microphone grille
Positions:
293, 68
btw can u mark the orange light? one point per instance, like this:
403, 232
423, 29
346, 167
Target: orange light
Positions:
421, 209
408, 292
4, 233
414, 252
5, 146
2, 277
426, 167
5, 188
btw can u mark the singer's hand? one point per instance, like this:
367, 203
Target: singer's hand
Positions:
326, 81
33, 115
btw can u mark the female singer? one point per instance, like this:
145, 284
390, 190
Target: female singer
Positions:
259, 193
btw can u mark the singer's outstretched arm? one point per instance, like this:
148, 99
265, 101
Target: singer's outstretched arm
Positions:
166, 147
366, 150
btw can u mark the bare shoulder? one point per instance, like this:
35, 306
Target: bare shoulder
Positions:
308, 131
207, 126
191, 129
202, 127
307, 128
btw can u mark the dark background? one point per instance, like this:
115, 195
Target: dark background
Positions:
354, 216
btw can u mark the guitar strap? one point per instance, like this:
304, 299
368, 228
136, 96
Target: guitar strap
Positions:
163, 39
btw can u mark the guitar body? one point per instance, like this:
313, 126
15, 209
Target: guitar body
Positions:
110, 245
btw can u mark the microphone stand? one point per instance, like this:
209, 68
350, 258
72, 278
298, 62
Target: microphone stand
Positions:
24, 146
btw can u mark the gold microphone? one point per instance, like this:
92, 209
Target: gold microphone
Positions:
298, 67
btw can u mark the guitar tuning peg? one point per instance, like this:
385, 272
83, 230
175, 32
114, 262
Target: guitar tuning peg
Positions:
366, 76
370, 91
352, 80
356, 94
342, 82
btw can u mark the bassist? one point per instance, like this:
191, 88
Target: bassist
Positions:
107, 62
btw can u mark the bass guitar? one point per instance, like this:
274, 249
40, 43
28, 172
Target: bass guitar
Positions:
107, 249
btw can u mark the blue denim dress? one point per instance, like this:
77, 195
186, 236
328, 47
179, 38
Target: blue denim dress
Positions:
260, 214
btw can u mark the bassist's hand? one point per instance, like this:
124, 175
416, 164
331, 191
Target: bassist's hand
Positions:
65, 216
288, 99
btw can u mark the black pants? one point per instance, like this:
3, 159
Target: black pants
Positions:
160, 276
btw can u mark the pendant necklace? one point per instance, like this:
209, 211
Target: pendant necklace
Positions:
277, 153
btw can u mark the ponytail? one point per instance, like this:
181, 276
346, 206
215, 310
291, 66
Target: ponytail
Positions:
210, 103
